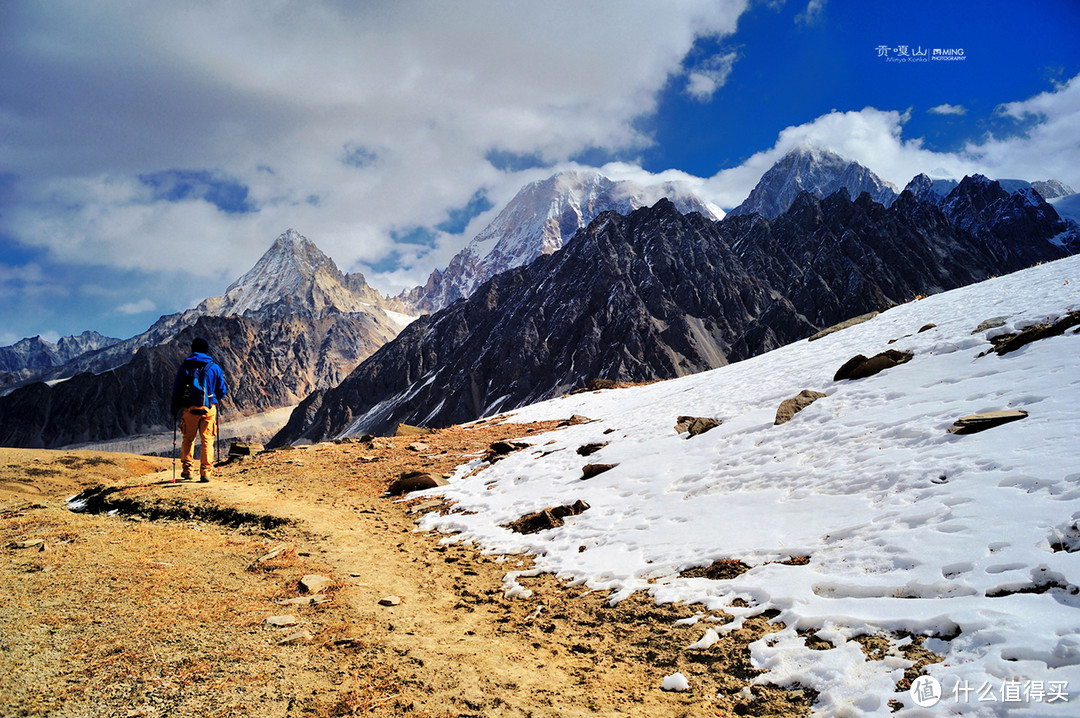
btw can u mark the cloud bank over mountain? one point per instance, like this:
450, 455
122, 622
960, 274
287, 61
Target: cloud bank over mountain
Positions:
150, 152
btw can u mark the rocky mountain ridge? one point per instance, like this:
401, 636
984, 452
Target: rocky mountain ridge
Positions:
292, 325
38, 352
537, 221
657, 294
818, 171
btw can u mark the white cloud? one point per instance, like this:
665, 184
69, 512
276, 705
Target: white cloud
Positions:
872, 137
948, 109
343, 120
704, 80
813, 13
138, 307
1049, 149
875, 138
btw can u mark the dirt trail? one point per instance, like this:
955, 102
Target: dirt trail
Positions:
454, 645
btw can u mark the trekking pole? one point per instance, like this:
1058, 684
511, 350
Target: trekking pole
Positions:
175, 421
217, 437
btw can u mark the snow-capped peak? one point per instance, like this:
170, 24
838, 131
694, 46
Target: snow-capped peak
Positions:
541, 217
292, 263
818, 171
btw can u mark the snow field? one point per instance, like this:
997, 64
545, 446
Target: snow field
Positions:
908, 528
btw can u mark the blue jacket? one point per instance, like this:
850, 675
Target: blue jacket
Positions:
215, 381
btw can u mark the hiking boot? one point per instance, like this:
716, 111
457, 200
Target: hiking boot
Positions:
186, 475
204, 479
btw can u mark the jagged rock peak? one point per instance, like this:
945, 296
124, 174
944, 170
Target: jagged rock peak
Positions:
818, 171
539, 219
288, 268
928, 189
1052, 189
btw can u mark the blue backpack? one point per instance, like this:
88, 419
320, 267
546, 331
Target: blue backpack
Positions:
193, 389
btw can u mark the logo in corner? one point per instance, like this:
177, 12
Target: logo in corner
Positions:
925, 691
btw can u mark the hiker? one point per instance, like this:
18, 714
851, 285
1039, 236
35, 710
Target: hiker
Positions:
198, 389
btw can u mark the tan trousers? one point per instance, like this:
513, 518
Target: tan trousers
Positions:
205, 425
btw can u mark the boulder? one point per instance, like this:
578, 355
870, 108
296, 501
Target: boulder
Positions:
992, 323
859, 367
790, 407
549, 518
390, 601
501, 449
590, 470
590, 449
313, 583
974, 423
409, 481
842, 325
1011, 342
694, 425
244, 448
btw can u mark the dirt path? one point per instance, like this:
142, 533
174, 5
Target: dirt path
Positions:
453, 645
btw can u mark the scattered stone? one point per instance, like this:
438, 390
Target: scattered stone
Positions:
842, 325
409, 481
390, 600
362, 439
590, 470
790, 407
722, 569
304, 600
281, 621
548, 518
694, 425
367, 459
274, 553
39, 544
859, 367
926, 328
304, 636
795, 561
574, 420
1011, 342
407, 430
975, 423
502, 449
596, 385
508, 447
244, 448
418, 447
992, 323
590, 449
313, 583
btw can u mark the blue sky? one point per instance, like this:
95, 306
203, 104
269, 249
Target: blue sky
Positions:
151, 152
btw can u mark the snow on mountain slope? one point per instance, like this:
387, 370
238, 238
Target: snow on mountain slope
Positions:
1052, 189
814, 170
537, 221
971, 540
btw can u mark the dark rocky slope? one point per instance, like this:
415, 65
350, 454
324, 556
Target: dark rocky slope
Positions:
266, 364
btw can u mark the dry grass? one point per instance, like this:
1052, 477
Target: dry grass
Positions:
120, 616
